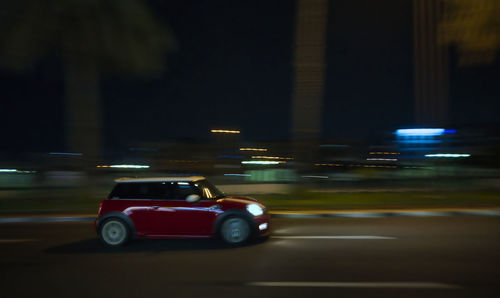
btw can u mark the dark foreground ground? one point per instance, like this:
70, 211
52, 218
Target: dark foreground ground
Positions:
402, 257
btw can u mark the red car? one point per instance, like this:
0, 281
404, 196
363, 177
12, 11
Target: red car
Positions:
187, 207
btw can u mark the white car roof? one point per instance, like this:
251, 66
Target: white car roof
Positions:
159, 179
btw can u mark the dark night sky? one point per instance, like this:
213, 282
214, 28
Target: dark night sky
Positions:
233, 69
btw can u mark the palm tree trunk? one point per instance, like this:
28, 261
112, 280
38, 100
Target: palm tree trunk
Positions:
83, 114
309, 67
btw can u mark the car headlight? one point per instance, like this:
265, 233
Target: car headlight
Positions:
255, 209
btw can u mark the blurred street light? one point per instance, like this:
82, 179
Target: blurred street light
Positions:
420, 132
272, 157
224, 131
253, 149
124, 166
262, 162
453, 155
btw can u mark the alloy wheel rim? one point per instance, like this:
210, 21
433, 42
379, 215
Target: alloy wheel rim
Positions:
113, 232
235, 230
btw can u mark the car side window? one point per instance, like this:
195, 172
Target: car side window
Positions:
155, 190
125, 191
141, 191
184, 189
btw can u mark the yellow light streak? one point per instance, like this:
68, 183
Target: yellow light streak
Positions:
253, 149
224, 131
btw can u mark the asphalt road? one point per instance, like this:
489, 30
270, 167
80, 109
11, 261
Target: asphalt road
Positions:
366, 257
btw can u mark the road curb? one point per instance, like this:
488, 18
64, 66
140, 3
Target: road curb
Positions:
285, 214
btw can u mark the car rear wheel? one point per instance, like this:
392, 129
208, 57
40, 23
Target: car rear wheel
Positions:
114, 232
235, 230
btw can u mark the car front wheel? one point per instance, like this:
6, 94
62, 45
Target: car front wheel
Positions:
235, 230
114, 232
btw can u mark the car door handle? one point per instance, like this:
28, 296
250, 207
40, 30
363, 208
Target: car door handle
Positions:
214, 207
163, 208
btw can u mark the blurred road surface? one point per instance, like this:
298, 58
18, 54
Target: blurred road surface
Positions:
326, 257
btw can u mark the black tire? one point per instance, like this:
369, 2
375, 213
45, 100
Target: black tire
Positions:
114, 232
235, 230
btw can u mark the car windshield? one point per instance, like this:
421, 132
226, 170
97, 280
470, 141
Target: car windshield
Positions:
208, 190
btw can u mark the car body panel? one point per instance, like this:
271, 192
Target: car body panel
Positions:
139, 212
184, 218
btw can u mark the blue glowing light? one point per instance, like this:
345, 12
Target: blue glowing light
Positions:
452, 155
420, 132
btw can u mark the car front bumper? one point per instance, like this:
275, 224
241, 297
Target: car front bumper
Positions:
262, 224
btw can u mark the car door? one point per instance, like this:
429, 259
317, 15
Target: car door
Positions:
163, 207
174, 216
195, 218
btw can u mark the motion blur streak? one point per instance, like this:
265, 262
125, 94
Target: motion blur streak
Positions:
271, 157
420, 132
261, 162
124, 166
397, 284
224, 131
447, 155
66, 153
16, 240
336, 237
253, 149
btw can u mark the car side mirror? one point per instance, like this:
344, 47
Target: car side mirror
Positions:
193, 198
